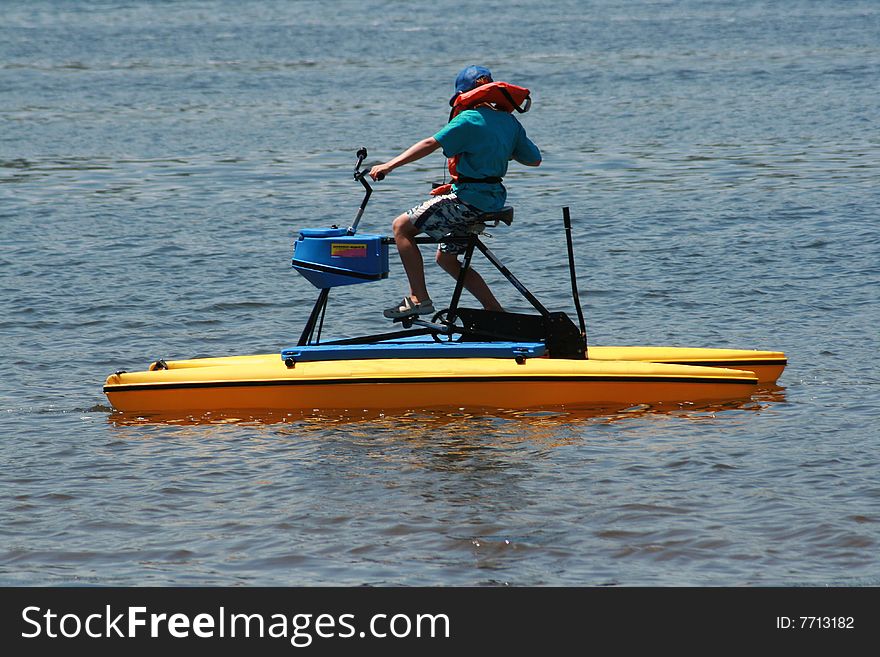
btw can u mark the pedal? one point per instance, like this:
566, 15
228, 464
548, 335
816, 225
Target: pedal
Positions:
408, 322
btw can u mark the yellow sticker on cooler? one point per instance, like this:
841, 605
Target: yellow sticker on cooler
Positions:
348, 250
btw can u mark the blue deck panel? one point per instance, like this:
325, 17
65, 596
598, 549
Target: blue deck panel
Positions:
415, 350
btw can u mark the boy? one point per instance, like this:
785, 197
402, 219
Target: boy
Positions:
483, 140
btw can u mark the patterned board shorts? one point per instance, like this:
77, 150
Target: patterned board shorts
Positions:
446, 215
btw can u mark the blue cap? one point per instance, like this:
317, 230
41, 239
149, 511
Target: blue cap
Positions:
467, 79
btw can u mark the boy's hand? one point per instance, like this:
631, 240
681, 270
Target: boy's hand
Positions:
380, 171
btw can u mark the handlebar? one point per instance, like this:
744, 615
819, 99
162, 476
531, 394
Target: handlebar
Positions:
361, 176
358, 174
361, 156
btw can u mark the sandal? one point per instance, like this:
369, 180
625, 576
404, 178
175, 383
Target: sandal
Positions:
408, 308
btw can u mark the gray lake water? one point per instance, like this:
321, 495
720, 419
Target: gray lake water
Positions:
720, 160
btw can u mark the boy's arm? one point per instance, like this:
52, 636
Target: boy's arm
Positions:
526, 152
415, 152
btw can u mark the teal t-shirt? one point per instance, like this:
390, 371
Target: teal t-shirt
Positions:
486, 140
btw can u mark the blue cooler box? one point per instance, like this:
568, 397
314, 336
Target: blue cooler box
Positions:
328, 257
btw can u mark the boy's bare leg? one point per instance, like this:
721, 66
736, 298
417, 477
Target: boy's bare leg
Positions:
473, 282
411, 257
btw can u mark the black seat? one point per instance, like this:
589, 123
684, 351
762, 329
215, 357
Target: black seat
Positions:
504, 215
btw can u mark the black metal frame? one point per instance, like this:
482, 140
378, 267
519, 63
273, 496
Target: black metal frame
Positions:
556, 330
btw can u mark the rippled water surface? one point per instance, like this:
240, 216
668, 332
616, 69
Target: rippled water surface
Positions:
721, 164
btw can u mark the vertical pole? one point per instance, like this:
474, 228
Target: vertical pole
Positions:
459, 283
317, 311
566, 220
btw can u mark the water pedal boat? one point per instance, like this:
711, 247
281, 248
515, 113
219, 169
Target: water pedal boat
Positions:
459, 358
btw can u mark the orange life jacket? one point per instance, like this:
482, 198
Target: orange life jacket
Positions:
505, 97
